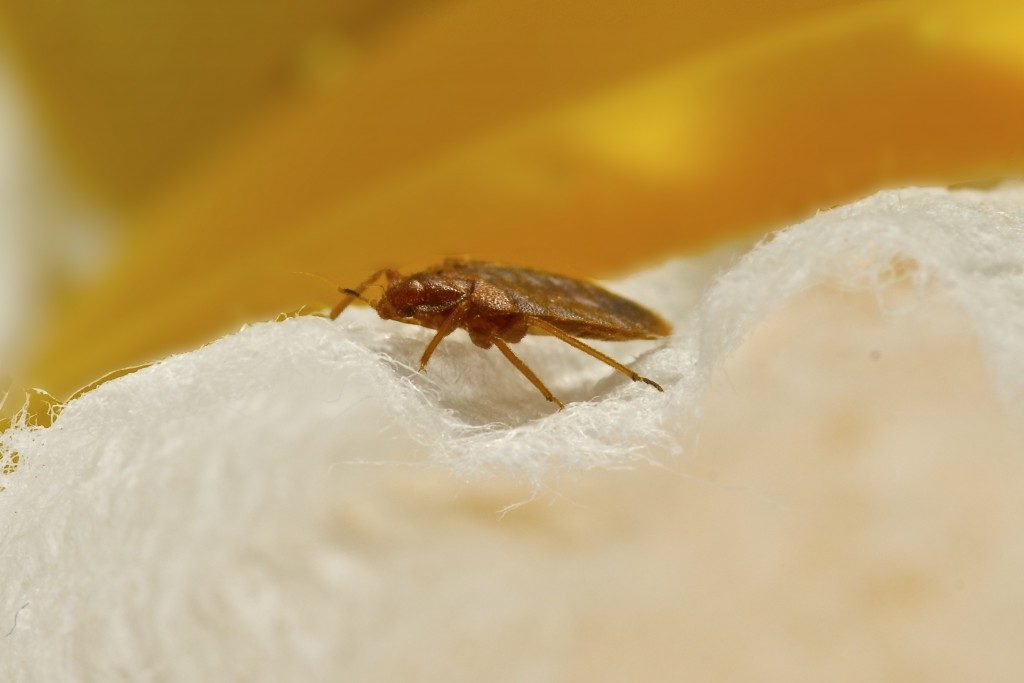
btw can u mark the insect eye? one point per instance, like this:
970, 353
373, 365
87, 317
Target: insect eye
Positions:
407, 312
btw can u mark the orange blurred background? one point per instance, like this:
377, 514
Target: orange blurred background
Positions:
180, 163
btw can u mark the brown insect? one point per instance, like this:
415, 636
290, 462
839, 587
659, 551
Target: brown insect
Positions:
498, 305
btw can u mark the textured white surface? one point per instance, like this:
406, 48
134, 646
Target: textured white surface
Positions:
829, 485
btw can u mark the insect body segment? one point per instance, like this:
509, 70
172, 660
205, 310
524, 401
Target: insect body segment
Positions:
499, 305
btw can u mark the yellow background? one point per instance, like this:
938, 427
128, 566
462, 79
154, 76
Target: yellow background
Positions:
235, 144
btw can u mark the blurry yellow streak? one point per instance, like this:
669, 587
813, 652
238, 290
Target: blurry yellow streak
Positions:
665, 124
735, 138
647, 132
986, 30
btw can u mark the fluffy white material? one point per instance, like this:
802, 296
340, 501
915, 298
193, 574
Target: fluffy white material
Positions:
296, 502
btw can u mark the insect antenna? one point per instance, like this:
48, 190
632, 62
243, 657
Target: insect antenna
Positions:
357, 295
316, 276
351, 295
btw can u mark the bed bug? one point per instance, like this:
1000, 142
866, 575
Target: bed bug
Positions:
498, 305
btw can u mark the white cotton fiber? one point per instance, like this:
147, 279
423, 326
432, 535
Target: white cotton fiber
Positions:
827, 488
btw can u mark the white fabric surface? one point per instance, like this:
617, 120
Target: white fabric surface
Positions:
828, 487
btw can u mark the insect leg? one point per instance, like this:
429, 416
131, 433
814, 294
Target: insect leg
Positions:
349, 298
590, 350
527, 372
446, 328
